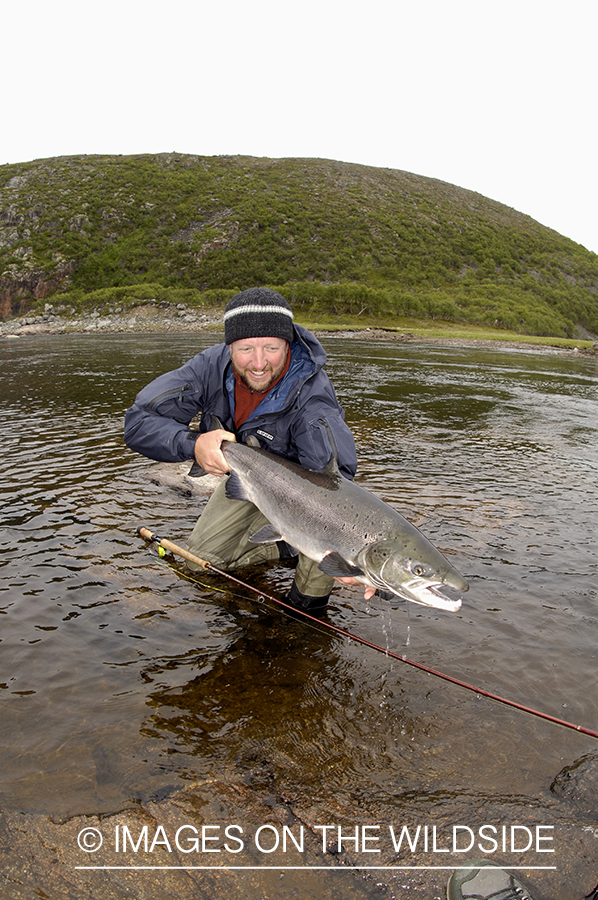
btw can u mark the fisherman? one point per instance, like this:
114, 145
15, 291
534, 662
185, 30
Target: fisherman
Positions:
266, 380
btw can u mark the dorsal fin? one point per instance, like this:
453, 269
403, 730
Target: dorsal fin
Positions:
196, 471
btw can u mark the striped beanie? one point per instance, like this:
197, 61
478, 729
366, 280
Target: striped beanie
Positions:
258, 312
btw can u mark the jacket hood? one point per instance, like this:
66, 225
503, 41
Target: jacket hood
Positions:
307, 357
312, 345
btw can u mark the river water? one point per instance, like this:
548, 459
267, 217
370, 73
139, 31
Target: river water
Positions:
122, 680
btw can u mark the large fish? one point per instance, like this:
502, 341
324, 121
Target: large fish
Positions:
345, 528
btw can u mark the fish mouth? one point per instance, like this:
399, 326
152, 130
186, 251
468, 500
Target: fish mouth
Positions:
427, 593
432, 595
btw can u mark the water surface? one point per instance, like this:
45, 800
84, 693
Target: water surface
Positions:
123, 680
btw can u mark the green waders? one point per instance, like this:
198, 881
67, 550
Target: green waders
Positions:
221, 536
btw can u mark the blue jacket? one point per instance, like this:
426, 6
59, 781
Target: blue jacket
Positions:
287, 422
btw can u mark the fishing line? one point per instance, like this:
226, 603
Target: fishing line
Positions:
204, 564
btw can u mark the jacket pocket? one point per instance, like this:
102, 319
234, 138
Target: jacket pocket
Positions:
168, 395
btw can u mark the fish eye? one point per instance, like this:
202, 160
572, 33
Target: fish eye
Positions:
418, 570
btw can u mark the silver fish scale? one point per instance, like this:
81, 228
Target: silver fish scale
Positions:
316, 512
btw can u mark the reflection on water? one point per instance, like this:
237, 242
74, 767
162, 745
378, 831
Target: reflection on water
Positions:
123, 679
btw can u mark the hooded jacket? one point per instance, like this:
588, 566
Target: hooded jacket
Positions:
288, 422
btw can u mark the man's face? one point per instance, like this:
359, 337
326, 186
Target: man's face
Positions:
259, 361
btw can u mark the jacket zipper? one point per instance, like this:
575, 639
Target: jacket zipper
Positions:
171, 393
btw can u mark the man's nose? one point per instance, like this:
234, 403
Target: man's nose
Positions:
259, 359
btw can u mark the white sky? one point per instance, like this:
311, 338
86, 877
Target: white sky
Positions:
498, 97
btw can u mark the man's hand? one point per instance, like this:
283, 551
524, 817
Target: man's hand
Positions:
208, 453
369, 591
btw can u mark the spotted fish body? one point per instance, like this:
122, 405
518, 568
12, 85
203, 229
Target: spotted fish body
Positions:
341, 525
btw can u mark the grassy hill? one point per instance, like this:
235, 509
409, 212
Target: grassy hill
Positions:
333, 236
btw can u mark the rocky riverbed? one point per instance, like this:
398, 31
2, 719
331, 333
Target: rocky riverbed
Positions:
225, 839
256, 836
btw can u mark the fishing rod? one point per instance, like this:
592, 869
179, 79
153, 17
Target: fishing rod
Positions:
165, 544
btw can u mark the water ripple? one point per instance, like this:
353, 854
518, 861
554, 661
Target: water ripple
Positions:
121, 678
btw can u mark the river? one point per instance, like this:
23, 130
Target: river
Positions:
122, 680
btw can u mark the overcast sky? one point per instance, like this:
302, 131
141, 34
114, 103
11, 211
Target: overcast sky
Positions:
497, 97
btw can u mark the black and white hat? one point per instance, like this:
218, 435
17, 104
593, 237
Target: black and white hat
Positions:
258, 312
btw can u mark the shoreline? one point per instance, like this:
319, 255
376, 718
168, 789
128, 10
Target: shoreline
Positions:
148, 318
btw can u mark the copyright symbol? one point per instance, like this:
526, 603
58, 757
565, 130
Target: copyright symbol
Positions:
90, 840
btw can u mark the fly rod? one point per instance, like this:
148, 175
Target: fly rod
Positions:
152, 537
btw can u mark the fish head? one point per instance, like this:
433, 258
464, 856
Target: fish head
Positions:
418, 573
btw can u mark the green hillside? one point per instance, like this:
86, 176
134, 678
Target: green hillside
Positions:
333, 236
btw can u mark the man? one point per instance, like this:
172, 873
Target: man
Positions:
266, 380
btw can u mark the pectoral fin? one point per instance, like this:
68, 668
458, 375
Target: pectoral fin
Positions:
266, 535
335, 565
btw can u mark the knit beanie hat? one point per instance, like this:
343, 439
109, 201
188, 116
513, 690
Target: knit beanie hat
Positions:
258, 312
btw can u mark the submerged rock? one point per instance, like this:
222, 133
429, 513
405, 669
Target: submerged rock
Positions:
578, 784
176, 477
